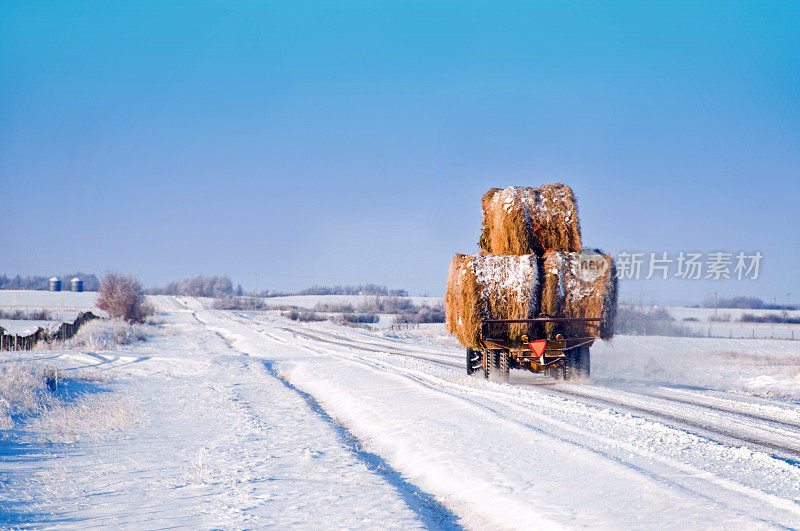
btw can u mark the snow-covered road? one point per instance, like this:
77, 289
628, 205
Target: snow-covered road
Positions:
256, 420
533, 452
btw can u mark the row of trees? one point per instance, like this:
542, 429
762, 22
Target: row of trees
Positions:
199, 286
365, 289
745, 303
90, 281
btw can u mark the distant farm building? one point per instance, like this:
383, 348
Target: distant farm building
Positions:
55, 284
76, 284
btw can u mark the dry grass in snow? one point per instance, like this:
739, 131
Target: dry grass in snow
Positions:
23, 391
90, 416
29, 400
106, 334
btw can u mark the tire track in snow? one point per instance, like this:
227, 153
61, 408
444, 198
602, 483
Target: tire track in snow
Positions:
521, 404
722, 436
696, 402
706, 403
358, 346
510, 402
432, 513
466, 393
790, 454
786, 453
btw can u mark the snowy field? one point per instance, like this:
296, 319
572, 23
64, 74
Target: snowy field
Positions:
745, 330
707, 314
309, 301
728, 325
48, 300
61, 307
233, 419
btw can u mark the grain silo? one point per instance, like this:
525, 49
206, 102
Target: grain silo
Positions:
55, 284
76, 284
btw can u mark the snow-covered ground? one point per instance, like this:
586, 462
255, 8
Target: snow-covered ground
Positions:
309, 301
707, 314
735, 329
49, 300
60, 306
24, 327
247, 419
702, 322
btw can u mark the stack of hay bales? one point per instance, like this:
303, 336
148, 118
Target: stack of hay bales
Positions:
532, 264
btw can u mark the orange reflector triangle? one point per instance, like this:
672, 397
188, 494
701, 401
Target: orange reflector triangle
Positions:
538, 346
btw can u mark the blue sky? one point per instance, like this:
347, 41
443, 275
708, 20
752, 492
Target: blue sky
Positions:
347, 142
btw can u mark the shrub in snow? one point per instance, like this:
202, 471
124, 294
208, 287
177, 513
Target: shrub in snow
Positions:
105, 334
388, 305
334, 307
422, 314
722, 318
782, 317
123, 296
431, 314
358, 318
303, 315
232, 303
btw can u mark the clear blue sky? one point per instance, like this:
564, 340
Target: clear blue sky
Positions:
347, 142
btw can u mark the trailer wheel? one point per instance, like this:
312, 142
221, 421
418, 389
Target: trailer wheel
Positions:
489, 363
502, 365
557, 372
496, 365
578, 364
474, 359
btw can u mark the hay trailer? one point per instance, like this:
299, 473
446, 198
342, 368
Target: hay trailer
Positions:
563, 358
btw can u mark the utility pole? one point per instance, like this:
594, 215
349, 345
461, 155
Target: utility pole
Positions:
255, 295
715, 306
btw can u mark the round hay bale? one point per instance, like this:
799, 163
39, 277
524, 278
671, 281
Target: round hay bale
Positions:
580, 285
490, 287
523, 220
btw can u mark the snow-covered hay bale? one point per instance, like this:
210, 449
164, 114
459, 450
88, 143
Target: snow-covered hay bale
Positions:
521, 220
490, 287
580, 285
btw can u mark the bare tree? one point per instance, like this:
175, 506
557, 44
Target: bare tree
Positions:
123, 296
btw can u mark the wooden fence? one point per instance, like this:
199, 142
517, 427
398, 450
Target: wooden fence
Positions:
28, 342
